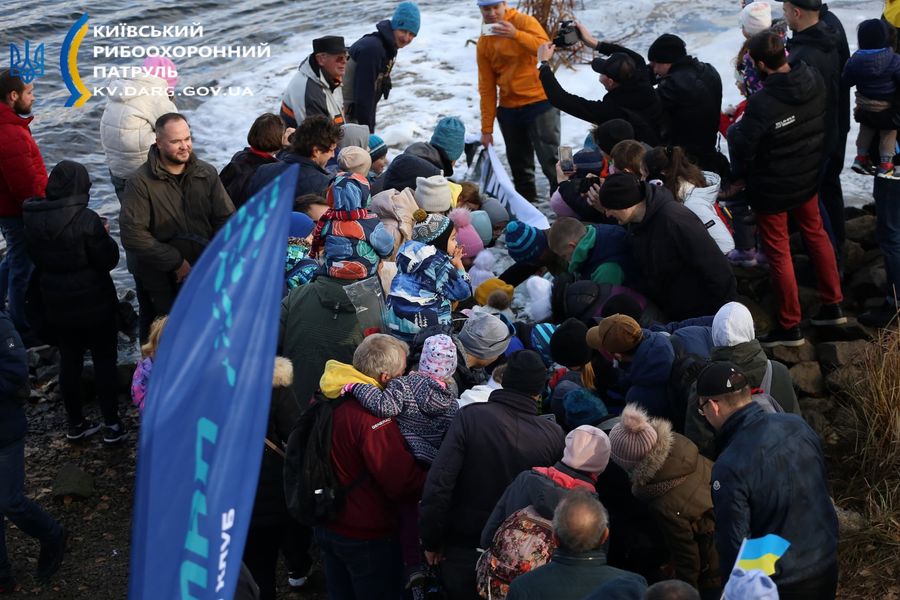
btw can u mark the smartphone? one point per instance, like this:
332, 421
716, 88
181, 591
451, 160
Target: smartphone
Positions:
487, 29
566, 161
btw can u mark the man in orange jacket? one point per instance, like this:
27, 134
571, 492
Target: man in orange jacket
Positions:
507, 51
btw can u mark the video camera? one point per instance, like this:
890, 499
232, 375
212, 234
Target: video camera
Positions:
566, 35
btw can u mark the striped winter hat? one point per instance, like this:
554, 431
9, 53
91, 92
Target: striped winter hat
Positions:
377, 147
540, 341
524, 242
632, 438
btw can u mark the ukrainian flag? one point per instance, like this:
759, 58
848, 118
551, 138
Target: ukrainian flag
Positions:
762, 553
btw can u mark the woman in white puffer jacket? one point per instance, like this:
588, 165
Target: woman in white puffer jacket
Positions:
127, 124
696, 189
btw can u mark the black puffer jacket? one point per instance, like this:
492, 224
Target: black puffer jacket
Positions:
237, 174
487, 446
71, 250
684, 272
778, 145
691, 97
818, 46
635, 101
269, 508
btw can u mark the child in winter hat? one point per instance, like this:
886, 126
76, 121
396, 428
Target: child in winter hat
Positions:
298, 267
353, 239
524, 242
499, 216
450, 137
433, 194
466, 235
750, 585
353, 159
587, 449
422, 401
430, 277
756, 17
482, 224
632, 438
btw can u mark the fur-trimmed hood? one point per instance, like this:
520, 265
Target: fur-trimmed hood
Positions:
284, 372
672, 457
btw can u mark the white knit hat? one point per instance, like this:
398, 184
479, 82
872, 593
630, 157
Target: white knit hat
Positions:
756, 17
433, 194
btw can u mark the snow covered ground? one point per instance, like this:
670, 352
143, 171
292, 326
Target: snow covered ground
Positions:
437, 76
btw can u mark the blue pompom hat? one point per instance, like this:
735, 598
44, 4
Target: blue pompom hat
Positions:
524, 242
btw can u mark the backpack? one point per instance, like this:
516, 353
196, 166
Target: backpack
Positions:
763, 394
686, 368
523, 542
312, 491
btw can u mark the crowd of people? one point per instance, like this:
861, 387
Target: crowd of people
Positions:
622, 437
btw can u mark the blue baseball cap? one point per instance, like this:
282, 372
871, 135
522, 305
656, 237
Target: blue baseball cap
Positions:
489, 2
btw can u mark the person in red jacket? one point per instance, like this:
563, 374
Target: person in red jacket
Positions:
22, 176
360, 548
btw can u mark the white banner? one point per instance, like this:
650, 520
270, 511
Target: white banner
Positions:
496, 182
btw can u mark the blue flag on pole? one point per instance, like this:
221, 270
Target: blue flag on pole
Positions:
207, 406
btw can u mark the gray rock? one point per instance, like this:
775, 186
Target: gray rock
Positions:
843, 379
854, 256
862, 230
807, 377
792, 356
46, 372
72, 481
867, 282
837, 354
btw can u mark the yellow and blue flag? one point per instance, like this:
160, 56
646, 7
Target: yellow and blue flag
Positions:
762, 553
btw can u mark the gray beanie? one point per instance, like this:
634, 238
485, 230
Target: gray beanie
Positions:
485, 336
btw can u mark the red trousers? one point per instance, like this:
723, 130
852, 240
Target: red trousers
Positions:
773, 231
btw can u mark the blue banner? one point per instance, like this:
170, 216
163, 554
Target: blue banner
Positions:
206, 410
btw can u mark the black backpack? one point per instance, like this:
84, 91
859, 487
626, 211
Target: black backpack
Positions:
312, 491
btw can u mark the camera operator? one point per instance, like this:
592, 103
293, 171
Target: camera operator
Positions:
629, 93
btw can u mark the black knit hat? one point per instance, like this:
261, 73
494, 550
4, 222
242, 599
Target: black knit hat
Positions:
872, 35
612, 132
621, 190
568, 346
525, 373
806, 4
667, 48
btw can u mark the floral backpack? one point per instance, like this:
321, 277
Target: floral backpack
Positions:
522, 543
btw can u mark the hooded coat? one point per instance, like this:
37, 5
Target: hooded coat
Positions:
128, 121
779, 144
237, 174
433, 154
634, 101
875, 73
22, 171
318, 323
310, 93
702, 202
487, 446
770, 477
683, 270
395, 209
819, 47
72, 251
368, 75
673, 480
423, 289
13, 383
691, 98
269, 508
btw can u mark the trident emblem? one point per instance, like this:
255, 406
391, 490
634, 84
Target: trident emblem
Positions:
27, 68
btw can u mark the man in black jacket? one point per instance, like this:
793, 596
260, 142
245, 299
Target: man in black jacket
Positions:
368, 76
487, 446
691, 95
769, 478
629, 93
682, 269
778, 147
25, 514
819, 41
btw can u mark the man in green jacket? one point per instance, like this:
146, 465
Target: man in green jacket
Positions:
318, 323
172, 207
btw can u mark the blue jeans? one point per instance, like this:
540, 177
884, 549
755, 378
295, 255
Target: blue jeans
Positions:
360, 569
15, 269
25, 514
887, 204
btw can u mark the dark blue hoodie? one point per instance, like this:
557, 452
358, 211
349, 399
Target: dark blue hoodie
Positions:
875, 73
